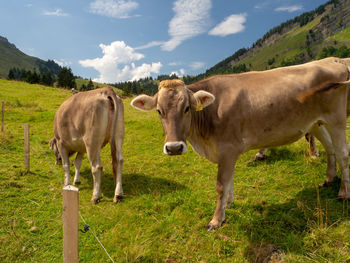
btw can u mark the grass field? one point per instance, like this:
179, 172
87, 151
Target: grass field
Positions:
169, 200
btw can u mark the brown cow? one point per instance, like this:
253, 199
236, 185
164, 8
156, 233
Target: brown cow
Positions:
226, 115
261, 155
85, 123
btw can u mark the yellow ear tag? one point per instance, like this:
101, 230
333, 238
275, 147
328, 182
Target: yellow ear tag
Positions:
200, 107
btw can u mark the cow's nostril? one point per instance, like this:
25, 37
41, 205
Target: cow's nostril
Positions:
167, 148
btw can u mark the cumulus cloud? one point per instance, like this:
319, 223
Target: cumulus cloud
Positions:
231, 25
62, 62
179, 73
113, 8
191, 19
57, 12
197, 65
117, 64
289, 9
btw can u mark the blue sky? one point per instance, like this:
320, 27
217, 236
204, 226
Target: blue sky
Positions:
118, 40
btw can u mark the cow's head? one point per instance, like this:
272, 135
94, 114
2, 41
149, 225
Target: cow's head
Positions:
175, 105
54, 147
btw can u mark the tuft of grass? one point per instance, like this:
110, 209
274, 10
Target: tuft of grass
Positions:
278, 207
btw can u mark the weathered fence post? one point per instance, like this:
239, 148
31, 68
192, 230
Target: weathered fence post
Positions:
70, 223
2, 115
26, 148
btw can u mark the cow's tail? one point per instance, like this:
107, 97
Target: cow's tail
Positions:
117, 135
301, 97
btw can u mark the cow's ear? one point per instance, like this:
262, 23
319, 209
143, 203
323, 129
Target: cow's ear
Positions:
202, 99
144, 102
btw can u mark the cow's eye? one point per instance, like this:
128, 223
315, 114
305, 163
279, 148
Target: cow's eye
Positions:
187, 109
159, 112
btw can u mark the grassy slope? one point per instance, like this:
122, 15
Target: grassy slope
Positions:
292, 43
168, 200
12, 57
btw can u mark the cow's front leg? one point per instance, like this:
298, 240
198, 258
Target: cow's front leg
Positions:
77, 164
323, 136
224, 188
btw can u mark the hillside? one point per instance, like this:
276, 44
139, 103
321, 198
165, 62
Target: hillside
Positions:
322, 32
11, 56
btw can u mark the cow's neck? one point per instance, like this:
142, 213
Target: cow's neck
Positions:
200, 135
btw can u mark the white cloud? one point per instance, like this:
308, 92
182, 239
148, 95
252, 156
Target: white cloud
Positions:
62, 62
117, 64
179, 73
174, 64
289, 9
231, 25
191, 19
57, 12
197, 65
150, 44
113, 8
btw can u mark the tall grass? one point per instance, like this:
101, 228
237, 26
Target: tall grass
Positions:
169, 200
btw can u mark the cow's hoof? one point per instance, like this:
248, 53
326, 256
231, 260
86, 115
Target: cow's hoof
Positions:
95, 200
260, 157
328, 183
77, 183
314, 157
117, 199
211, 228
214, 224
343, 197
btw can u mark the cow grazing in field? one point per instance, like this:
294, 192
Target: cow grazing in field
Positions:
226, 115
85, 123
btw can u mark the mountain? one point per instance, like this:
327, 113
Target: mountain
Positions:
12, 57
320, 33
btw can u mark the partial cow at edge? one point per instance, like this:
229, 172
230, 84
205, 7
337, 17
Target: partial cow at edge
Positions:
225, 116
85, 123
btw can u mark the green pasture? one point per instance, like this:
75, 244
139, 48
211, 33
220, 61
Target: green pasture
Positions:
168, 200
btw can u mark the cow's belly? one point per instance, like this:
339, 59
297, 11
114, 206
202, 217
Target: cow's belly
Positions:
275, 137
75, 145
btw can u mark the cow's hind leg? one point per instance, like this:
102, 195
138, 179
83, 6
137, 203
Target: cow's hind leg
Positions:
337, 133
77, 164
117, 162
65, 164
323, 136
261, 155
312, 145
96, 169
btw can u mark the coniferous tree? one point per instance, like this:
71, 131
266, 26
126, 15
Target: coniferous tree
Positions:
11, 74
66, 78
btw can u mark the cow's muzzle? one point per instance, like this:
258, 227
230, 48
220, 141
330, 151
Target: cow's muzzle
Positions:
175, 148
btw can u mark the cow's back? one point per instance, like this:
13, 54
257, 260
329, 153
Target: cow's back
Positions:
84, 118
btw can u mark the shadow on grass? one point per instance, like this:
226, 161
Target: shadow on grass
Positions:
286, 226
276, 155
133, 184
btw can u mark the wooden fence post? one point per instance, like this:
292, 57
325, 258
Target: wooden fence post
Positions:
2, 115
26, 148
70, 224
